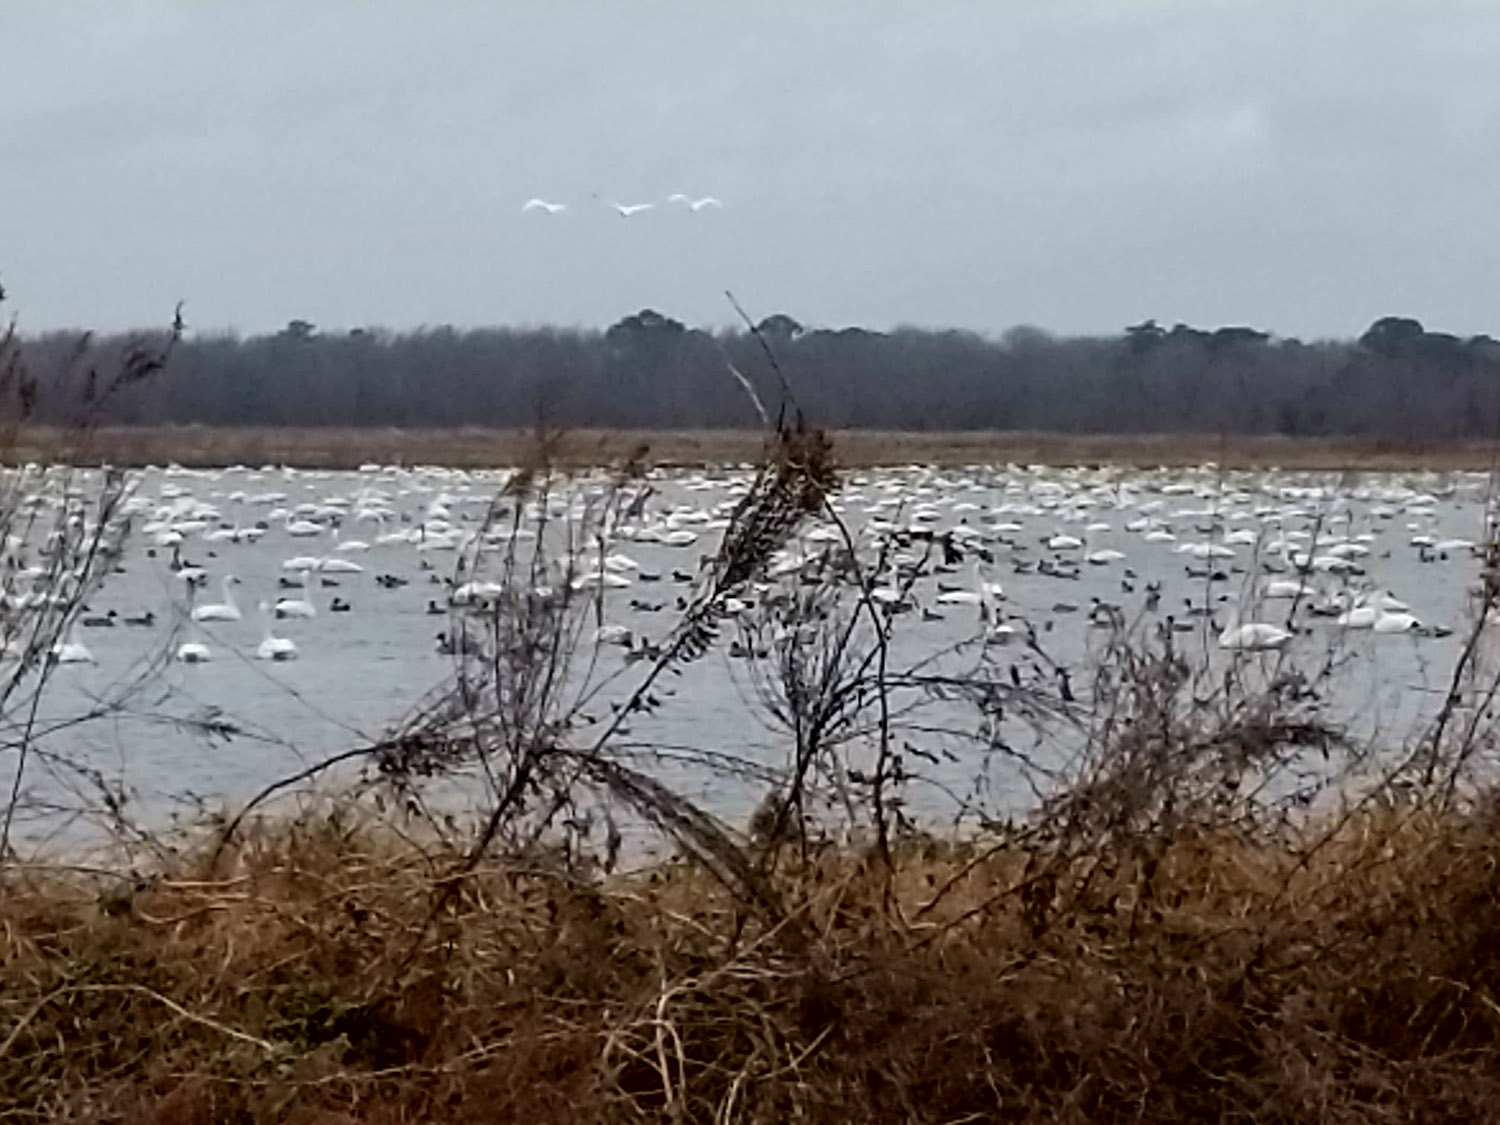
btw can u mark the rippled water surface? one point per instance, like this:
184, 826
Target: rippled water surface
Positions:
360, 670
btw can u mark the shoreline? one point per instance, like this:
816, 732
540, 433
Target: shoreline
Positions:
348, 448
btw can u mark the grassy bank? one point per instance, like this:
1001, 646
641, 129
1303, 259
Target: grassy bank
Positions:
472, 448
1347, 978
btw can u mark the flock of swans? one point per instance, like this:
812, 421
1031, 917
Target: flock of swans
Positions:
1253, 560
308, 606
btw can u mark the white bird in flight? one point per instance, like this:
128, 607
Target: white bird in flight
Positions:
695, 204
626, 209
543, 205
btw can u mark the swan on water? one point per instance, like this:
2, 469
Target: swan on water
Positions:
1362, 615
295, 607
400, 535
193, 652
1396, 622
477, 593
223, 611
958, 597
72, 652
273, 647
1285, 589
1254, 636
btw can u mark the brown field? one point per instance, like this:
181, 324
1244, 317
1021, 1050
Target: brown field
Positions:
305, 979
475, 448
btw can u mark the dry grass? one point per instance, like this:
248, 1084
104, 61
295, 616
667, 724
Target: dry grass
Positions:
471, 448
1215, 980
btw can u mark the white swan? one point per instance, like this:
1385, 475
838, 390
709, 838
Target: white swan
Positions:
543, 205
1254, 636
224, 611
295, 607
1205, 550
1325, 564
400, 535
273, 647
301, 528
71, 652
193, 652
477, 593
1395, 622
958, 597
1389, 602
348, 544
600, 579
1286, 589
1360, 616
985, 593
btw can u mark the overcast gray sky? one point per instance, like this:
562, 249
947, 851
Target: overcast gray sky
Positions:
1303, 166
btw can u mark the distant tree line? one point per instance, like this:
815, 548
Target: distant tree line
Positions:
651, 371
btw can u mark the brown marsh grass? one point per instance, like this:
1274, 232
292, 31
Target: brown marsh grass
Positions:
336, 448
293, 979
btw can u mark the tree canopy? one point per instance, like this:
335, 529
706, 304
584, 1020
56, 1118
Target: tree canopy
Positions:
651, 370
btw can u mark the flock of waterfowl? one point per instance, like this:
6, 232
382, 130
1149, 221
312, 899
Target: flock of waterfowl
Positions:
1255, 558
310, 610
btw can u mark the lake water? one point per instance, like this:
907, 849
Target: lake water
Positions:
359, 671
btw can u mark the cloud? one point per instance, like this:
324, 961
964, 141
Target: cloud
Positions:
1076, 165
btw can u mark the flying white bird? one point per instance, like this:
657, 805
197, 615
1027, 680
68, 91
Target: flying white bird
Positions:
543, 205
626, 209
695, 204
